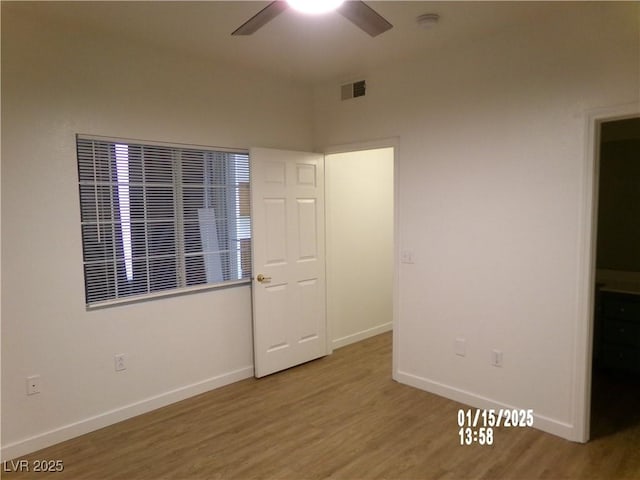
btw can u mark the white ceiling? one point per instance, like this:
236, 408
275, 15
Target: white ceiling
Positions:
293, 45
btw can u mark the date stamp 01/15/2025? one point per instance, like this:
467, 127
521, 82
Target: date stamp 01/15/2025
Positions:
477, 426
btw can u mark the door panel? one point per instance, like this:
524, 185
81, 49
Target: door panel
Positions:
309, 319
275, 235
275, 308
288, 259
307, 234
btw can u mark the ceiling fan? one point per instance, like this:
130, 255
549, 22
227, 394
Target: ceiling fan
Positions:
358, 12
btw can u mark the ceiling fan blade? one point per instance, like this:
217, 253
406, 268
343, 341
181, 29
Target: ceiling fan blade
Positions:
364, 17
261, 18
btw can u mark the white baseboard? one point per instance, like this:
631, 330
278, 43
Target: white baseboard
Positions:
356, 337
540, 422
96, 422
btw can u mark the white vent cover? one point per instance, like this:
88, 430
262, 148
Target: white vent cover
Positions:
353, 90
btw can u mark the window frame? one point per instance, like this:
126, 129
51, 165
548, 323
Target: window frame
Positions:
179, 218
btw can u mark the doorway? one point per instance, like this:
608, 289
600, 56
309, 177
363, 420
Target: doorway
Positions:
341, 283
359, 243
615, 386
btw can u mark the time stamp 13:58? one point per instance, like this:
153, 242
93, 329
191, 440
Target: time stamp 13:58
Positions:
477, 426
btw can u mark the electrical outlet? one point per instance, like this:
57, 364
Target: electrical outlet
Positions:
460, 347
496, 358
120, 362
33, 384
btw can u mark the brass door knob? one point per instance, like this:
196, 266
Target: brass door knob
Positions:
262, 279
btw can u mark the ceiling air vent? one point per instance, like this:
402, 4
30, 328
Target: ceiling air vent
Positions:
353, 90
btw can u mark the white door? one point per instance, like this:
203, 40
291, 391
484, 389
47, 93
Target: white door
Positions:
289, 323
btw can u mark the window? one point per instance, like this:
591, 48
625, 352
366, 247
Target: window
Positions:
159, 218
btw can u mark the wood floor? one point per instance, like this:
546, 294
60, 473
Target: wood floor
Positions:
341, 417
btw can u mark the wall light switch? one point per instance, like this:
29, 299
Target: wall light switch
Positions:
496, 358
407, 256
460, 347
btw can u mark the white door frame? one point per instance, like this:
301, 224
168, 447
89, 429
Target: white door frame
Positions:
394, 143
587, 264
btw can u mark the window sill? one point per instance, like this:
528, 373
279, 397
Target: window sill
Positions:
165, 294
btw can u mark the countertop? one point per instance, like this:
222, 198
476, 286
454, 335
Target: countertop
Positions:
618, 281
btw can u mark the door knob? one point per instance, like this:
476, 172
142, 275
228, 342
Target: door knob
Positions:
262, 279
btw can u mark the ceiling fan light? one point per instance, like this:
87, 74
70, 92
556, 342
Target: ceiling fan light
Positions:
314, 6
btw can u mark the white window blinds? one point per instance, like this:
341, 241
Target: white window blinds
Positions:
161, 218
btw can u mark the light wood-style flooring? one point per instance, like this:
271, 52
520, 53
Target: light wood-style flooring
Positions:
341, 417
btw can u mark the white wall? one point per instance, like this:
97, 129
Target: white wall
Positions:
359, 216
491, 167
55, 84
